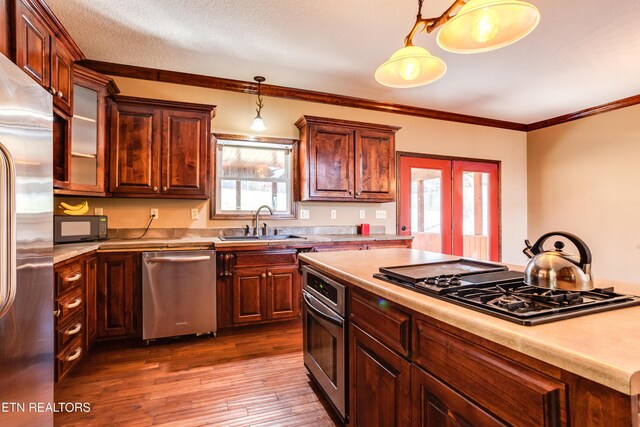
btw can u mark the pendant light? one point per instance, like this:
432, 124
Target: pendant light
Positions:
478, 26
484, 25
258, 123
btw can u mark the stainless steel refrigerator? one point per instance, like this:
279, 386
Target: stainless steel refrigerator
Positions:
26, 249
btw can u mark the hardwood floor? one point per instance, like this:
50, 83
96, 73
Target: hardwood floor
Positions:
252, 377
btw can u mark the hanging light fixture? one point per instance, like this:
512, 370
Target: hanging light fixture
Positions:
478, 26
258, 123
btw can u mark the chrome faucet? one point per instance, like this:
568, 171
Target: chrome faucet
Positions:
255, 230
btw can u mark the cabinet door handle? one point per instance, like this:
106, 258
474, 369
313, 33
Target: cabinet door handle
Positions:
52, 90
75, 355
56, 313
357, 193
263, 275
60, 94
74, 278
74, 330
269, 274
164, 188
350, 192
155, 188
76, 302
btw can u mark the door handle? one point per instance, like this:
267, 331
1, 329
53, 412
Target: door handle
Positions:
317, 308
403, 228
180, 259
7, 231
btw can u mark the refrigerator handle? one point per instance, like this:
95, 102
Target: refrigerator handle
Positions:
7, 230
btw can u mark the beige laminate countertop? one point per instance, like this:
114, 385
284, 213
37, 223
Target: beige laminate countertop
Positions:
66, 251
603, 347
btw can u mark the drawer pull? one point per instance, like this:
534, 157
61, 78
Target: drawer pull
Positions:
74, 278
74, 330
76, 302
56, 313
75, 355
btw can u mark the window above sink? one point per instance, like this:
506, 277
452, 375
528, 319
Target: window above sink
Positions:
250, 172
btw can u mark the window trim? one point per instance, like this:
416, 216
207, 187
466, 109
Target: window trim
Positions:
294, 143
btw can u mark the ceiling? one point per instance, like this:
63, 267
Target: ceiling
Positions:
582, 54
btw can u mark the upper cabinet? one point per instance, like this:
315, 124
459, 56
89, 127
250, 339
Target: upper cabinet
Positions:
159, 148
83, 154
342, 160
44, 50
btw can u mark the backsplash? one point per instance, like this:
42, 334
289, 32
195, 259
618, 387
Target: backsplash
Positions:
177, 233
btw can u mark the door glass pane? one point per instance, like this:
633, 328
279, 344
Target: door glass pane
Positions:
323, 347
475, 215
426, 209
84, 136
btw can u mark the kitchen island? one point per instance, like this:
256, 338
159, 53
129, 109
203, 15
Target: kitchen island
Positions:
467, 365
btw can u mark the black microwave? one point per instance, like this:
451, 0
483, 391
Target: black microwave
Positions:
82, 228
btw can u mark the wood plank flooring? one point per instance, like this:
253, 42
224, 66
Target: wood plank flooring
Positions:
252, 377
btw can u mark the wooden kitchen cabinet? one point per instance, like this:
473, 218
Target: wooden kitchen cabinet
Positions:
159, 148
436, 404
379, 383
90, 292
33, 44
81, 159
257, 286
342, 160
69, 309
119, 290
61, 76
5, 29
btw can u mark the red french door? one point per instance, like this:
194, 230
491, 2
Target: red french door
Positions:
450, 206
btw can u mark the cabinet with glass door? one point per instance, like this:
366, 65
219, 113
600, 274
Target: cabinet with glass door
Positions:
85, 153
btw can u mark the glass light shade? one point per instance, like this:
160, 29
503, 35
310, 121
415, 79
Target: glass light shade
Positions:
410, 66
483, 25
258, 124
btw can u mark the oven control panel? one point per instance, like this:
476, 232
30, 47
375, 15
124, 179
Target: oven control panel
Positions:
322, 287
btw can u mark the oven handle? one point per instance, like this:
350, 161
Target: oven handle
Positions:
319, 309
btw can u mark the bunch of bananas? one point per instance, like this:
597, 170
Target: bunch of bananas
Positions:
79, 209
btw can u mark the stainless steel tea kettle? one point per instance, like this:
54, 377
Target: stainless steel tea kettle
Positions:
556, 269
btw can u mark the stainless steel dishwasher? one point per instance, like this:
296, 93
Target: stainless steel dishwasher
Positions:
178, 293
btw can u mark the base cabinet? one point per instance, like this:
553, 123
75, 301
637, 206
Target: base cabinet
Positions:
257, 286
436, 404
118, 295
380, 383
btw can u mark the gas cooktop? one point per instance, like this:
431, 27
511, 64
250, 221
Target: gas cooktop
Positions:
502, 293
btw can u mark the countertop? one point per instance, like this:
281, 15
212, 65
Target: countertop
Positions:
66, 251
603, 347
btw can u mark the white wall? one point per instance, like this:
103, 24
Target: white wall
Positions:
235, 113
584, 178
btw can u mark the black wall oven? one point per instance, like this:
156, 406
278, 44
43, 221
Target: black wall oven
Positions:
324, 335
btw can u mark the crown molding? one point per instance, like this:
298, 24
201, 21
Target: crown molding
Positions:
154, 74
587, 112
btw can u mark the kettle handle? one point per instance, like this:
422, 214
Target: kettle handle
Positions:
583, 249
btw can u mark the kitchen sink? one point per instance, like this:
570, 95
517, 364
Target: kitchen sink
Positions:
268, 237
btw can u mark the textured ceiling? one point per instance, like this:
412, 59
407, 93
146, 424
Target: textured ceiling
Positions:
582, 54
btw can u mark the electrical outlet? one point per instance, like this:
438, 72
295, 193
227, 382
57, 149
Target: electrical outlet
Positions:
154, 213
333, 214
195, 214
381, 214
98, 211
362, 215
304, 213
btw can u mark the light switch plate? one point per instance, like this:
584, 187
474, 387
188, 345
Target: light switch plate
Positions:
362, 214
333, 214
304, 213
381, 214
98, 211
195, 214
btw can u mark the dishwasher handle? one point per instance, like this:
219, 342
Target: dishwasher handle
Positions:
180, 259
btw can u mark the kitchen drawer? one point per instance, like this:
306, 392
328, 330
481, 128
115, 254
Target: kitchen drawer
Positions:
520, 395
265, 258
67, 359
69, 277
70, 304
67, 332
382, 320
